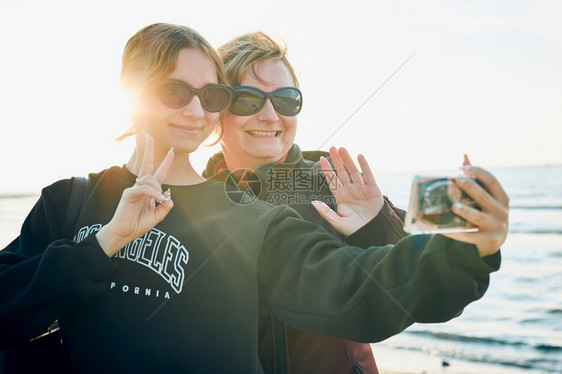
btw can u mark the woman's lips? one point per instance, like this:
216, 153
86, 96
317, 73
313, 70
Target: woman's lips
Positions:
260, 133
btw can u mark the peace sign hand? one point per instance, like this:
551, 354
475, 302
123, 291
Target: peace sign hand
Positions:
141, 207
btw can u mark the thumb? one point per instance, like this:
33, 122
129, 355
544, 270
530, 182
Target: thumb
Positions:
164, 208
327, 213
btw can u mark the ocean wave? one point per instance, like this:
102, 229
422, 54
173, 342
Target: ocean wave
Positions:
483, 340
536, 207
545, 365
549, 348
461, 338
544, 357
18, 195
555, 231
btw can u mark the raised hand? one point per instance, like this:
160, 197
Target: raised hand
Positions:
492, 220
358, 196
141, 207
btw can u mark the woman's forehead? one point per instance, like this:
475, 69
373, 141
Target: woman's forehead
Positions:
272, 72
194, 66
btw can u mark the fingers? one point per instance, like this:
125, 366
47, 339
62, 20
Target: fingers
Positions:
148, 180
163, 209
325, 212
367, 174
490, 182
474, 216
487, 241
329, 173
492, 220
148, 157
333, 218
338, 165
145, 174
347, 169
491, 212
164, 167
350, 167
148, 190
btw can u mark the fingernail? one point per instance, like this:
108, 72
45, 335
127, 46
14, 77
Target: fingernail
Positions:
171, 150
465, 167
457, 205
461, 178
166, 195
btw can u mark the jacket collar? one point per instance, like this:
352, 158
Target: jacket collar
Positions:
216, 166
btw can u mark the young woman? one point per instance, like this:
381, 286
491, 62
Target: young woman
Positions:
166, 274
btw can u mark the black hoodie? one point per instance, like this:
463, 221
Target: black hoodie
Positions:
186, 296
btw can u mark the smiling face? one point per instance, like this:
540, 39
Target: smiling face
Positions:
253, 141
187, 127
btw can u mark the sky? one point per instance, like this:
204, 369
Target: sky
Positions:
411, 85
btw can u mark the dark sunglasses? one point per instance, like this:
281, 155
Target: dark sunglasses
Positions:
176, 94
249, 100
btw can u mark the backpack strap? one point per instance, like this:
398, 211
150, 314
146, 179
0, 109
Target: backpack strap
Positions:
78, 197
77, 200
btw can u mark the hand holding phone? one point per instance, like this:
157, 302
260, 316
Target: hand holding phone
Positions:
485, 227
430, 208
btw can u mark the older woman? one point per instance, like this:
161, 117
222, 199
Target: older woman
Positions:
259, 132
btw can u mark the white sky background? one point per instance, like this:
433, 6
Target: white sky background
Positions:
485, 79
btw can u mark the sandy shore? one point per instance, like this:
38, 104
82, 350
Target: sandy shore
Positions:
399, 361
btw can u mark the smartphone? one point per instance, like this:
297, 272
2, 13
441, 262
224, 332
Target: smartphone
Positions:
429, 210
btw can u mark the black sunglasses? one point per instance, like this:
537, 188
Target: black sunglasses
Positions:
249, 100
176, 94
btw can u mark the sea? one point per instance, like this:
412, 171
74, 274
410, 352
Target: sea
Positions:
518, 322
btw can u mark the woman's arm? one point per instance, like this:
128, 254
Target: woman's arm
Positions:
42, 274
311, 282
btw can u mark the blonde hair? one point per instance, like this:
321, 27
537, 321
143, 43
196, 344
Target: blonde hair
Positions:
240, 54
151, 54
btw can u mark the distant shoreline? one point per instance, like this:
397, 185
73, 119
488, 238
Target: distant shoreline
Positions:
19, 195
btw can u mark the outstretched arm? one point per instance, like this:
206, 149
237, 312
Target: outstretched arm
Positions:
367, 294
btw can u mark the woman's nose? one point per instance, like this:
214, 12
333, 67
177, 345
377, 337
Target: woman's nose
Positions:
194, 108
268, 112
